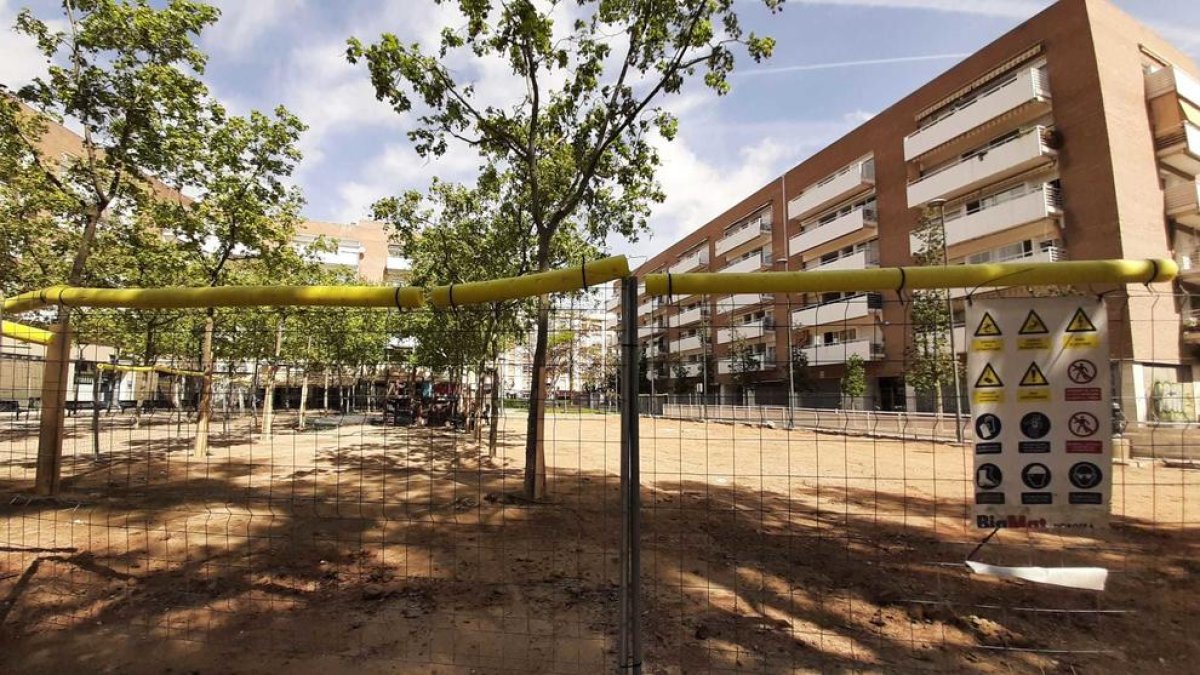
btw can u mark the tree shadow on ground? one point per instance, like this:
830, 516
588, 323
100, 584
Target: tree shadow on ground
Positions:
415, 555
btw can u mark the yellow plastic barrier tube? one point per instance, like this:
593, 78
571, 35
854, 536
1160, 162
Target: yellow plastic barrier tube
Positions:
148, 369
531, 285
406, 297
909, 278
24, 333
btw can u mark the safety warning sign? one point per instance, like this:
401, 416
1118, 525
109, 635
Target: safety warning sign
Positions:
1041, 400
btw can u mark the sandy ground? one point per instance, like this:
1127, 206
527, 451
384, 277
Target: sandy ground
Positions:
372, 549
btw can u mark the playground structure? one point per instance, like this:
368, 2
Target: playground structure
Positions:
424, 526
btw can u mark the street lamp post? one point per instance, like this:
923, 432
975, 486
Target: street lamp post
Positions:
940, 205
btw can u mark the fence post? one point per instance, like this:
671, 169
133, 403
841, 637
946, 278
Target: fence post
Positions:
630, 631
54, 401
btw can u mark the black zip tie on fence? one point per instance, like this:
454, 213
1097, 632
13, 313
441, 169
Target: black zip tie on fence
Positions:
670, 287
903, 281
583, 271
1153, 272
981, 544
396, 298
450, 293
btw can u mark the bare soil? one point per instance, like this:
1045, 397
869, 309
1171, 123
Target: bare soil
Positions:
372, 549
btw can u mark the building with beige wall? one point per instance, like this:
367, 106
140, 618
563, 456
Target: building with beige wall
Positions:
362, 247
1074, 136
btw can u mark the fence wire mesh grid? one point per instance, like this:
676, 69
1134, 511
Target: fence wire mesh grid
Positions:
369, 524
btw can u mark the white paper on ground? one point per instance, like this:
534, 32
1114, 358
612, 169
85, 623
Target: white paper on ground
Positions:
1089, 578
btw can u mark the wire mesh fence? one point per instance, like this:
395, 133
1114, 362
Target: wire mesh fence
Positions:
361, 501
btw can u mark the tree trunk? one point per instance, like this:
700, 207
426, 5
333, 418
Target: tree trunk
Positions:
204, 408
303, 399
535, 442
494, 423
269, 396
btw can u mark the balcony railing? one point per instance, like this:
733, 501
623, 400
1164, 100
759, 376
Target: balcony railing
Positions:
987, 165
1046, 255
687, 344
1039, 204
1183, 203
847, 309
867, 350
740, 301
645, 307
697, 259
859, 260
853, 179
752, 264
690, 316
1020, 88
1170, 79
755, 364
1181, 149
746, 331
757, 228
816, 234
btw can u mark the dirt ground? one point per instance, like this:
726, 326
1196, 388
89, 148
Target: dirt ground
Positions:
370, 549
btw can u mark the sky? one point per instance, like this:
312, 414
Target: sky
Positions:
836, 63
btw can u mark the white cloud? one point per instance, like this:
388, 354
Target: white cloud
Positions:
21, 61
396, 168
243, 22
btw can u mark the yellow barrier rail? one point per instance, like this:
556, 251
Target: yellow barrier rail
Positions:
405, 297
25, 333
148, 369
222, 296
910, 278
531, 285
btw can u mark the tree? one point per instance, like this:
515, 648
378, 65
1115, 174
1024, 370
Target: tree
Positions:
125, 72
443, 233
247, 213
578, 137
801, 376
743, 362
930, 365
854, 380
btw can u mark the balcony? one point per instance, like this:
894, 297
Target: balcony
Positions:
1005, 159
814, 235
690, 316
841, 352
687, 344
1046, 255
757, 228
697, 259
613, 303
1040, 204
859, 260
848, 309
691, 369
752, 264
1171, 79
761, 361
645, 307
851, 180
1183, 203
1181, 149
734, 303
646, 331
1026, 87
746, 331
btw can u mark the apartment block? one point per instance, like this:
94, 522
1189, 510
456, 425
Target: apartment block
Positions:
361, 247
1074, 136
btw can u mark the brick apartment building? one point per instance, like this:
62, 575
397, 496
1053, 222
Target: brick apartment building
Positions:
1074, 136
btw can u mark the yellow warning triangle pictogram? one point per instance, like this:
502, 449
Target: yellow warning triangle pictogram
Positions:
1034, 377
1080, 323
988, 379
1033, 325
987, 327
